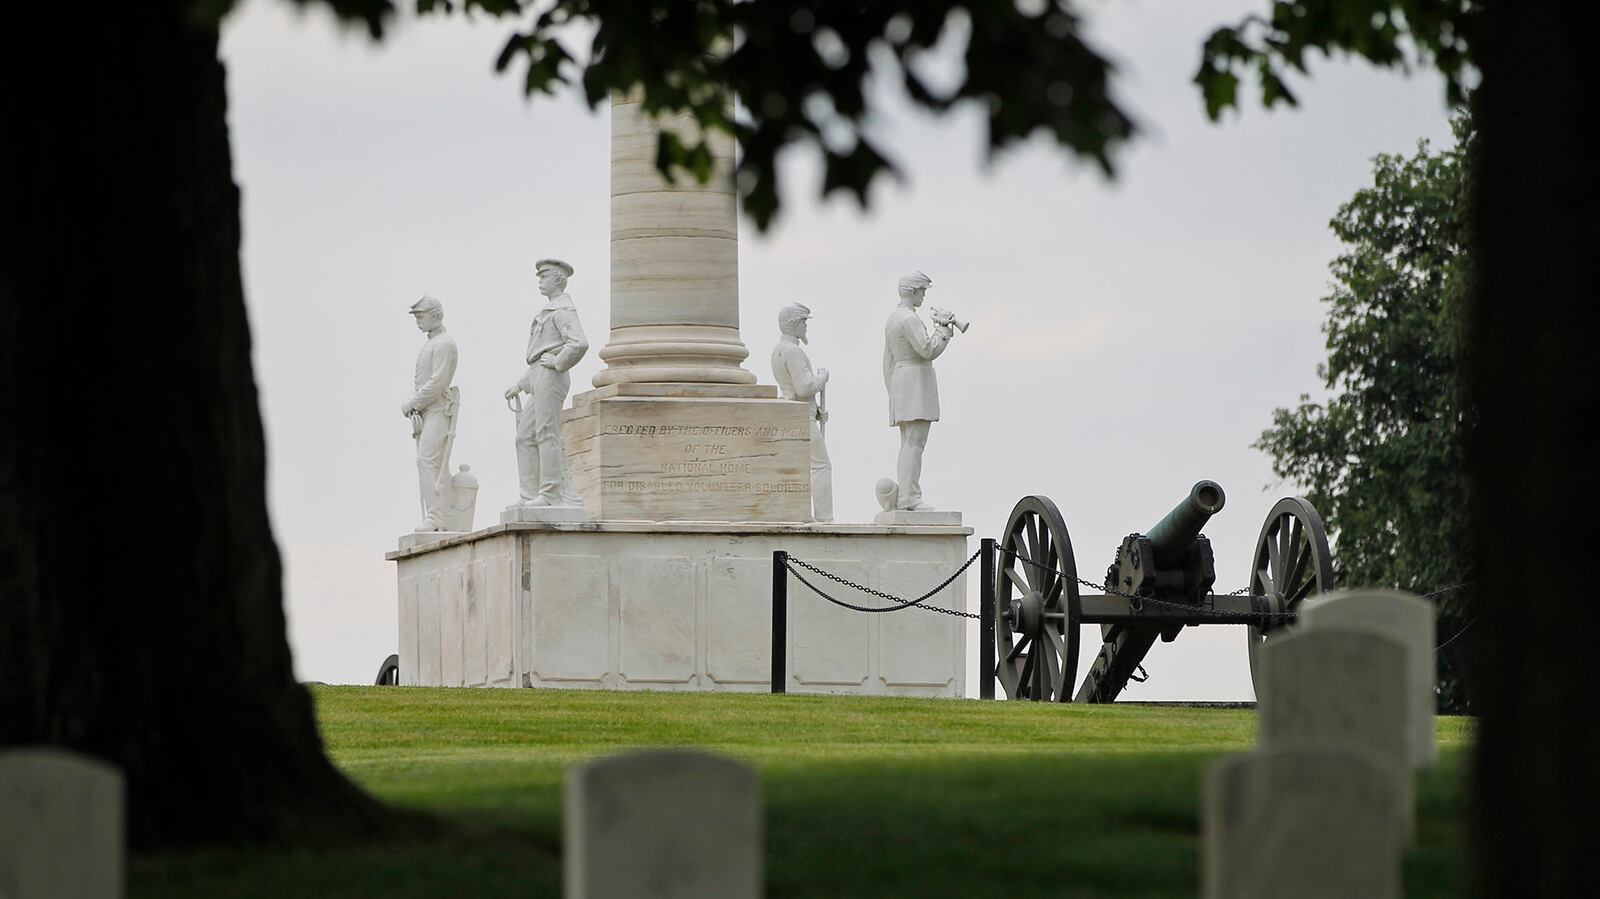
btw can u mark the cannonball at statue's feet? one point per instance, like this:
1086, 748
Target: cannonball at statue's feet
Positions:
428, 527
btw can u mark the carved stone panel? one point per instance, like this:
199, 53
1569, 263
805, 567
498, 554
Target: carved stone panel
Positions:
830, 645
907, 639
571, 622
658, 619
428, 628
739, 620
452, 625
500, 602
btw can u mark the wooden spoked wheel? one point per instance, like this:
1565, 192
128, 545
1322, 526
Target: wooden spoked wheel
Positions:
1037, 607
1292, 560
389, 672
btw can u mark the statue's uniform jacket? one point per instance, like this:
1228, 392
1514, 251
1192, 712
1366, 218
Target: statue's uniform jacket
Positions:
908, 354
556, 332
556, 337
436, 367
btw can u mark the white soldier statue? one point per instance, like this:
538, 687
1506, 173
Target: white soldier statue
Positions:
555, 344
432, 410
908, 354
791, 368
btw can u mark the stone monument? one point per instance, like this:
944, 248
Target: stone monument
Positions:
691, 476
677, 430
556, 343
791, 368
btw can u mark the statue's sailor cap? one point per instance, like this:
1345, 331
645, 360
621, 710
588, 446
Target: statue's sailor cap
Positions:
425, 305
558, 265
915, 280
794, 312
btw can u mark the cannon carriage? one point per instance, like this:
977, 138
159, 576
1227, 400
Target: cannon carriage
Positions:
1158, 583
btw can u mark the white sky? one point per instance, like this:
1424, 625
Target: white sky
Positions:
1128, 338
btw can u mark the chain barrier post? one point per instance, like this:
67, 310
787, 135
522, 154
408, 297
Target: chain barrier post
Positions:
780, 619
986, 594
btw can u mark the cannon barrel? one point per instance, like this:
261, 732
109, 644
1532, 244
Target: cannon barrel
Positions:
1171, 536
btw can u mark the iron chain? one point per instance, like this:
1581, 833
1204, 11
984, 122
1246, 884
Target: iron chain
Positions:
896, 603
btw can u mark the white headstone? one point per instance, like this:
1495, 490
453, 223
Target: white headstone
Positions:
1399, 616
663, 824
1302, 821
1337, 688
61, 822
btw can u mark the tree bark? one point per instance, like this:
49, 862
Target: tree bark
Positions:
1537, 772
141, 615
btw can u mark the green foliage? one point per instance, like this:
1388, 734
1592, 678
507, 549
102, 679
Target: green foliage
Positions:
800, 67
864, 797
1383, 458
1387, 33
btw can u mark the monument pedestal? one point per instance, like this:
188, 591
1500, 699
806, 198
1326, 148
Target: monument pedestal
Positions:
684, 606
926, 516
423, 538
541, 514
679, 452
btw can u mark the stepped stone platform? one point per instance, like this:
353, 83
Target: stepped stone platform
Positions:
679, 605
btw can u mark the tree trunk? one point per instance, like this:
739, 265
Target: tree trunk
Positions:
1537, 776
141, 615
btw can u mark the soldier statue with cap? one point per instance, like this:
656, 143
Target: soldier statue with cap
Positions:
791, 368
432, 410
908, 354
555, 344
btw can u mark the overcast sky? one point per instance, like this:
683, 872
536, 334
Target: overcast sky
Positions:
1127, 338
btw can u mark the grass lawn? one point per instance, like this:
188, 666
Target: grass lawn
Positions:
864, 797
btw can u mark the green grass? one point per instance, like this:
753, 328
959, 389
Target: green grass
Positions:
864, 797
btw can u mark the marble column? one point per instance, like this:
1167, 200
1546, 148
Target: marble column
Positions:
674, 261
676, 429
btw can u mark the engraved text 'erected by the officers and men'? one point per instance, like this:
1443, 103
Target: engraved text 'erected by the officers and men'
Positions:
703, 458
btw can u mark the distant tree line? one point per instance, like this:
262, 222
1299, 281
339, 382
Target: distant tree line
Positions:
1383, 458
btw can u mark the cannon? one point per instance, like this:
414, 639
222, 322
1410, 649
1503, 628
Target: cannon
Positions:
1159, 583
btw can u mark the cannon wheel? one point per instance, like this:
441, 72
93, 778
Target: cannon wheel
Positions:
389, 672
1292, 559
1037, 610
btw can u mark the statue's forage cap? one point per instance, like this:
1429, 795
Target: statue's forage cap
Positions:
426, 304
794, 312
558, 265
915, 280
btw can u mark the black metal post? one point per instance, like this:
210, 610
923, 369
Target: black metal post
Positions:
780, 619
986, 594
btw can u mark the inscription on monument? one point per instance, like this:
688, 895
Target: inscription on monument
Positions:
702, 458
692, 458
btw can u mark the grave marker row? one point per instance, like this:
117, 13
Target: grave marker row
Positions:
1324, 806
